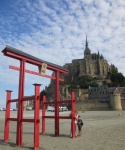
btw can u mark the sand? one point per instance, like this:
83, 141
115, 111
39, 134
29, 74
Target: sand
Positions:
102, 130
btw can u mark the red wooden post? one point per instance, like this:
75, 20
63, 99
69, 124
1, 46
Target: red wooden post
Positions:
20, 103
36, 116
7, 116
57, 104
43, 114
73, 114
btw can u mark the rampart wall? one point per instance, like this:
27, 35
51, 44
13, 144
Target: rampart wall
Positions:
96, 105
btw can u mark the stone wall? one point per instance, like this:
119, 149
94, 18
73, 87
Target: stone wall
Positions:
96, 105
92, 105
79, 92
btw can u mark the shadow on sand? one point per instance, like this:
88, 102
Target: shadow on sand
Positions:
52, 135
13, 145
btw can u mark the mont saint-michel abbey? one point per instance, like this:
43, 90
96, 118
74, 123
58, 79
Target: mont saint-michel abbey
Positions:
92, 64
95, 66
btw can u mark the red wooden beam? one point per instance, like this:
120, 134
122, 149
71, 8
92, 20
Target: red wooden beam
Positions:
57, 95
73, 127
33, 72
13, 100
20, 103
12, 119
61, 117
31, 61
36, 116
43, 114
7, 116
64, 117
27, 120
49, 116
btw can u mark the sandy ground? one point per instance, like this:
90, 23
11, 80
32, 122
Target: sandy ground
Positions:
102, 130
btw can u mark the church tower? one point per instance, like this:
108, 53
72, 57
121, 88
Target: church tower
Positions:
87, 51
93, 64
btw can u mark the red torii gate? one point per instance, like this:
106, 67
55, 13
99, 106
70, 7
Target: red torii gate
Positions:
23, 58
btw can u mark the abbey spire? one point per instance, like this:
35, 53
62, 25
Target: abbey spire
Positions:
87, 51
86, 42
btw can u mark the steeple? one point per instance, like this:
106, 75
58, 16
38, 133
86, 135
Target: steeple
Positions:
86, 42
87, 51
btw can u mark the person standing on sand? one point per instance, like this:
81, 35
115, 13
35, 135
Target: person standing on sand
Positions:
79, 124
76, 120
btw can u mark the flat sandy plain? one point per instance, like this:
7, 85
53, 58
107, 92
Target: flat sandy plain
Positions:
102, 130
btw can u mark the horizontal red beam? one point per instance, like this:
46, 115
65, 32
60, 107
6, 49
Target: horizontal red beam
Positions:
27, 120
35, 62
12, 119
13, 100
49, 116
28, 98
64, 117
32, 120
35, 73
24, 99
61, 117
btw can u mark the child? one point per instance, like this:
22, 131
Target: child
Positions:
79, 124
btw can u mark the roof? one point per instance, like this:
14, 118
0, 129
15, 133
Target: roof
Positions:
87, 50
21, 53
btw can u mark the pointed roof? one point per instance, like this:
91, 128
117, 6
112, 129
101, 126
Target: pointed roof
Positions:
86, 42
87, 50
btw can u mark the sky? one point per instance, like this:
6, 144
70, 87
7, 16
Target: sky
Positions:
55, 31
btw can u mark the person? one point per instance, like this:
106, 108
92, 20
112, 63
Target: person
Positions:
79, 124
76, 119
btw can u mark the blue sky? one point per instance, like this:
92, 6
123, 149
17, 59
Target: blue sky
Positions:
55, 31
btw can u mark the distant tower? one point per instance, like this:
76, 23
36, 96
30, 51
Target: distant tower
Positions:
115, 100
87, 51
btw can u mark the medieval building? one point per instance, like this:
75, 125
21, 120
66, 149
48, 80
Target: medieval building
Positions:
92, 64
95, 66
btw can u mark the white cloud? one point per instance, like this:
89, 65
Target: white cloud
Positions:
55, 31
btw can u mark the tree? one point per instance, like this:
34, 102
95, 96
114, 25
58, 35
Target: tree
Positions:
94, 84
118, 79
41, 94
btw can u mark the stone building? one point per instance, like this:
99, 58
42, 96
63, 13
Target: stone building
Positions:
94, 98
100, 93
101, 98
93, 64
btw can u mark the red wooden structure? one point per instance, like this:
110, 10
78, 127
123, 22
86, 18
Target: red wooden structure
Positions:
72, 101
36, 119
26, 58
